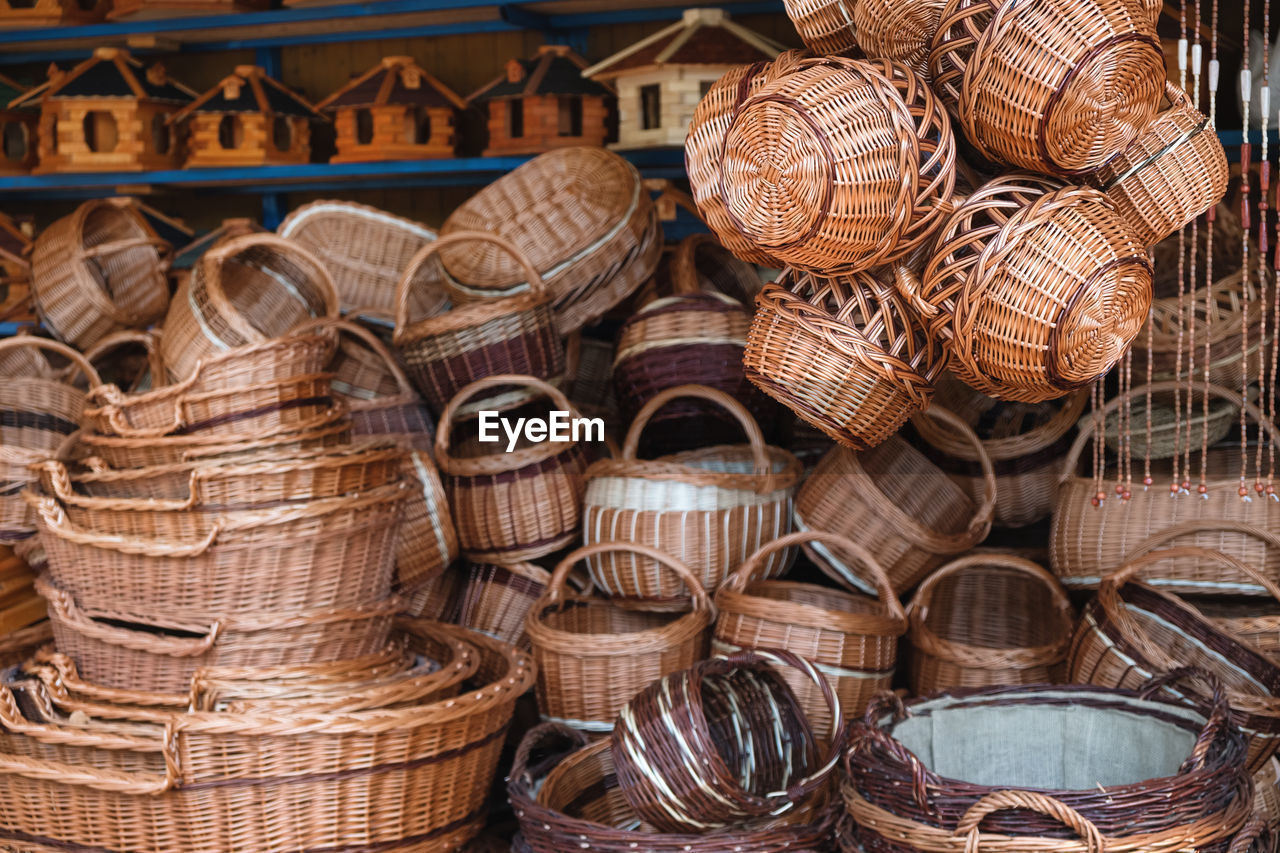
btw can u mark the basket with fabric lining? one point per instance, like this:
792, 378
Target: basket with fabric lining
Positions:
900, 506
709, 508
851, 639
845, 353
985, 620
583, 219
244, 291
496, 600
901, 30
287, 779
1056, 86
593, 655
38, 412
99, 270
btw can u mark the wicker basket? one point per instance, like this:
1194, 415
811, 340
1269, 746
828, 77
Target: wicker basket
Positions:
201, 781
1131, 631
709, 508
838, 203
1087, 543
1252, 621
515, 334
20, 645
1170, 427
845, 353
133, 371
722, 743
515, 505
594, 655
986, 620
897, 30
827, 26
38, 412
244, 291
851, 639
1174, 171
585, 222
898, 505
496, 600
99, 270
1059, 86
579, 802
1025, 441
366, 251
1039, 288
700, 262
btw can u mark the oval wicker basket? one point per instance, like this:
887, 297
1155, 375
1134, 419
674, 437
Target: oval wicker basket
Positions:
1169, 427
244, 291
515, 505
1174, 171
1056, 86
709, 508
839, 202
901, 30
583, 218
986, 620
898, 505
99, 270
1039, 288
845, 353
594, 655
514, 334
849, 638
826, 26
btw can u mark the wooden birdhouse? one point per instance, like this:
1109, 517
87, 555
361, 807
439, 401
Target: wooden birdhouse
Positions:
248, 119
661, 79
17, 131
51, 13
107, 114
543, 103
394, 111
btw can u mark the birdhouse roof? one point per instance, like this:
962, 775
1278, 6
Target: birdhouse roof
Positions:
110, 73
396, 80
249, 90
556, 70
700, 37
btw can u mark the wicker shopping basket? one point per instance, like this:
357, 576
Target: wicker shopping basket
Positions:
99, 270
709, 508
594, 655
849, 638
1252, 621
129, 359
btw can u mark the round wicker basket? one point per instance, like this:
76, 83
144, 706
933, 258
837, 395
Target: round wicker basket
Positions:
901, 30
828, 27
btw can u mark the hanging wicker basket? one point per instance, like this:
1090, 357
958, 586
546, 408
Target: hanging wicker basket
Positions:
827, 26
901, 30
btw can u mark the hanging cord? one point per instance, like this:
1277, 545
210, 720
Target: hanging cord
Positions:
1263, 230
1209, 305
1175, 484
1099, 433
1146, 454
1196, 58
1124, 484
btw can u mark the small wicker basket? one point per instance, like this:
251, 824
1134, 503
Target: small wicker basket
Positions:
901, 30
827, 27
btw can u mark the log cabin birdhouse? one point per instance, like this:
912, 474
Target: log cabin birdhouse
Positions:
543, 103
107, 114
661, 79
248, 119
17, 131
394, 111
51, 13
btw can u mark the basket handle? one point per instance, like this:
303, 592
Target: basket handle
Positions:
919, 607
908, 285
998, 801
1196, 525
555, 587
370, 340
162, 246
466, 393
1134, 565
60, 482
755, 437
1257, 829
980, 526
55, 519
683, 268
1218, 718
753, 565
79, 361
121, 338
1176, 96
559, 741
537, 286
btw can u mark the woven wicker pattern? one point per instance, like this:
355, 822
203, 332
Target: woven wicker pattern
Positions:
700, 262
39, 411
901, 31
1039, 287
827, 26
495, 600
839, 165
845, 353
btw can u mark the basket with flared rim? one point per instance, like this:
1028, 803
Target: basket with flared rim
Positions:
710, 508
850, 638
839, 165
846, 353
594, 655
1055, 86
511, 334
37, 413
901, 31
1037, 287
244, 291
827, 27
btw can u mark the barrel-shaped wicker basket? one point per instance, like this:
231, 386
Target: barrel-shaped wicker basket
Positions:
1038, 287
827, 27
583, 219
99, 270
1057, 86
901, 30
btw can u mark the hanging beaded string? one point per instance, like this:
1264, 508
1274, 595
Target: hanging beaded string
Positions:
1174, 486
1246, 159
1099, 425
1146, 453
1210, 216
1124, 481
1196, 56
1263, 229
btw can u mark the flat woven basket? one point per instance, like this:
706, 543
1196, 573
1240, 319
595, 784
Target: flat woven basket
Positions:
583, 218
845, 353
898, 505
594, 655
1057, 86
99, 270
366, 251
985, 620
1038, 287
709, 508
901, 30
850, 638
838, 202
827, 26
